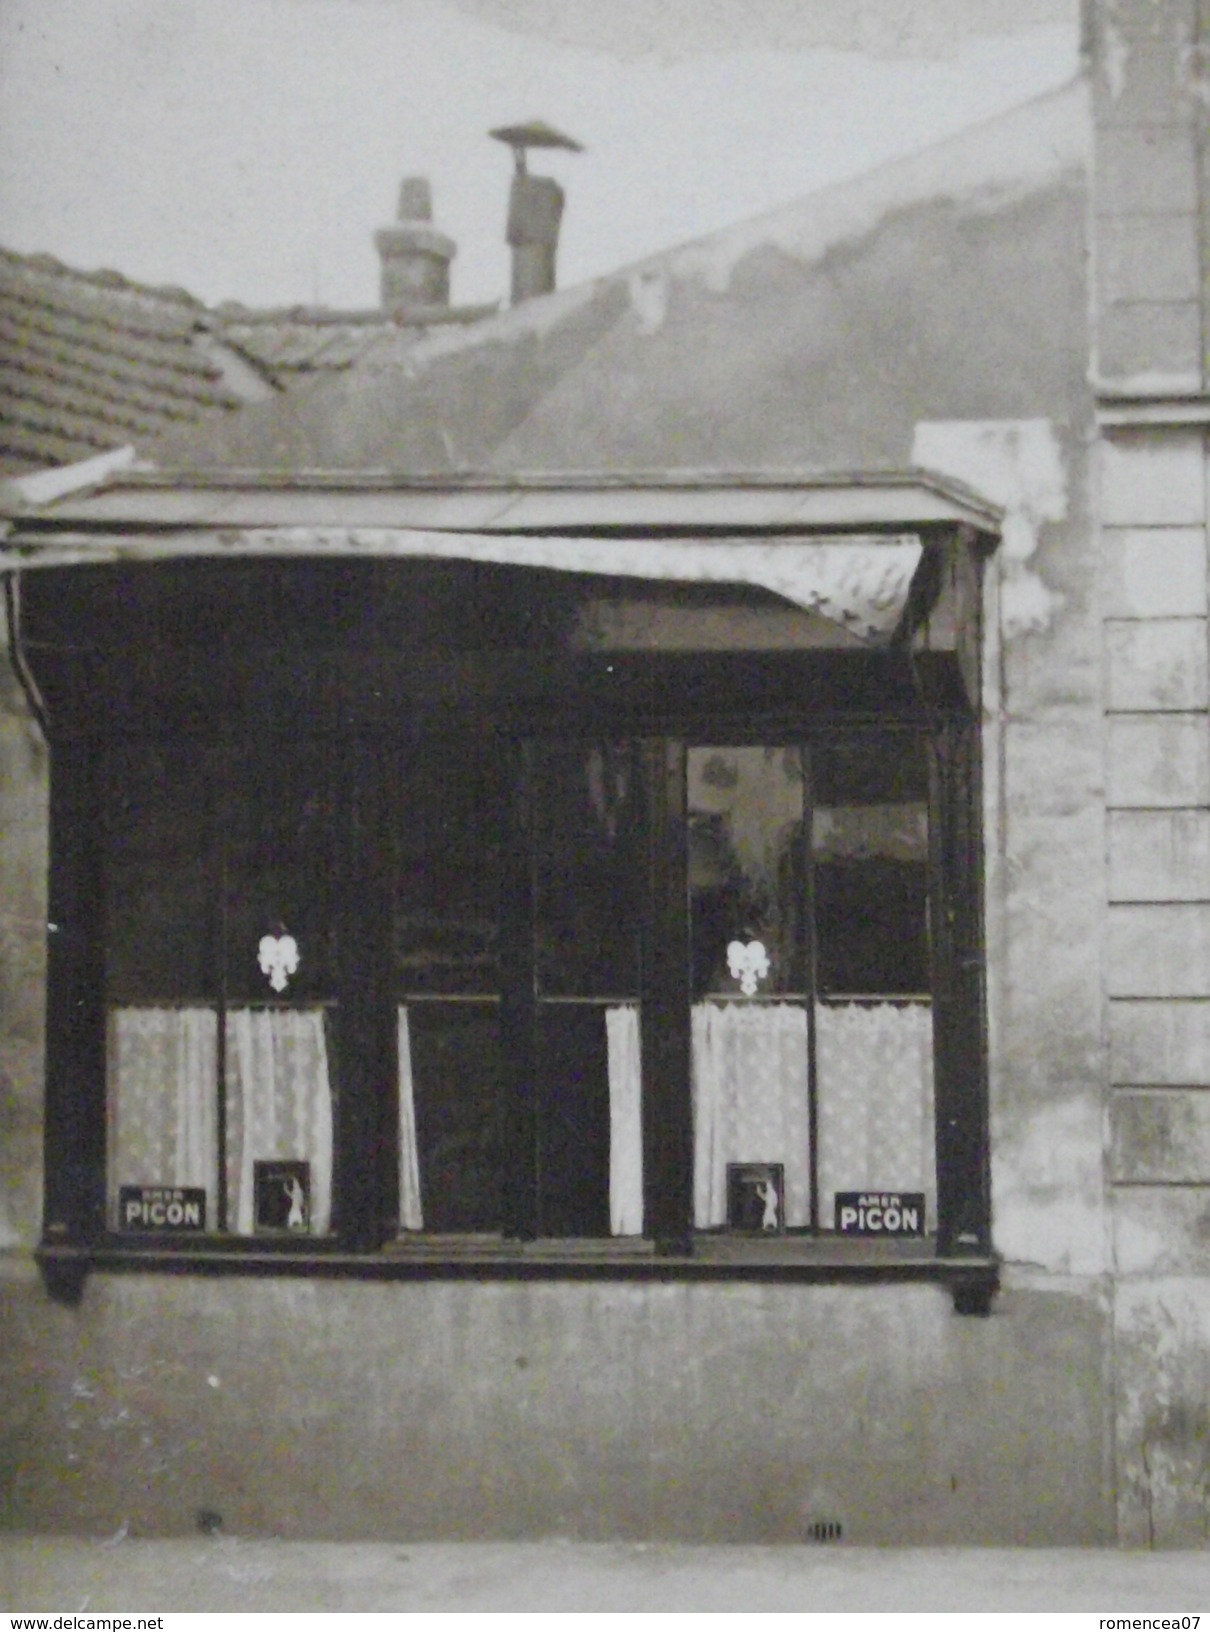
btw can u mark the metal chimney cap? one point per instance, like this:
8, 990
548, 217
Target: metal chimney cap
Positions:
537, 133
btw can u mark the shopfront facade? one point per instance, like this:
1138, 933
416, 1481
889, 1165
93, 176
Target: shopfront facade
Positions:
632, 1006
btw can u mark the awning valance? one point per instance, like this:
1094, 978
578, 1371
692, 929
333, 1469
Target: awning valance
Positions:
858, 582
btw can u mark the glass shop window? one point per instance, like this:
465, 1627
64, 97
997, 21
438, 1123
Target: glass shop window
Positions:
219, 985
447, 837
561, 844
587, 877
811, 1024
873, 1015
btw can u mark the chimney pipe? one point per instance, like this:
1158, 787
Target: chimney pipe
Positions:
415, 256
535, 210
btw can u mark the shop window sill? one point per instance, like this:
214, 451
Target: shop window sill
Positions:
971, 1280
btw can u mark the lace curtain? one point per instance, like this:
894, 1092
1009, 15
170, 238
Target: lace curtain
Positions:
162, 1068
749, 1067
874, 1065
279, 1105
749, 1077
875, 1121
163, 1103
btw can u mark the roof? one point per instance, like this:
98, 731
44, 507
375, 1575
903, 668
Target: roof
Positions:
92, 361
946, 285
295, 342
679, 502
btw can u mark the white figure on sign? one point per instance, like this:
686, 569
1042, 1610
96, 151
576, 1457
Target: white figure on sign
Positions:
278, 958
297, 1218
767, 1191
748, 962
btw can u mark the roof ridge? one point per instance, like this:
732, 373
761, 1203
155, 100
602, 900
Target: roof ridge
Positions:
104, 278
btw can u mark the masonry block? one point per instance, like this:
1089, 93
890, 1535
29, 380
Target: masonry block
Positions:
1148, 20
1162, 1042
1153, 340
1158, 761
1159, 950
1162, 1349
1146, 82
1150, 479
1154, 572
1161, 1230
1159, 855
1146, 170
1156, 665
1160, 1135
1149, 257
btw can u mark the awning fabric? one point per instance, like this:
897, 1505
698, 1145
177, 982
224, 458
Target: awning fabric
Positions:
858, 581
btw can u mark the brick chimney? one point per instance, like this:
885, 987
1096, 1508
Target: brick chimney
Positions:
535, 210
415, 256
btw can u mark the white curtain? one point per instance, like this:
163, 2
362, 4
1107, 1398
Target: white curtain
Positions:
625, 1121
161, 1075
750, 1104
279, 1105
411, 1216
875, 1072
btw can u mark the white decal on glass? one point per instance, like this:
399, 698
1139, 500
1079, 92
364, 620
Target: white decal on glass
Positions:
748, 963
278, 958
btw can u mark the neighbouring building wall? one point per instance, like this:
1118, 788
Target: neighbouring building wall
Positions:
1152, 369
23, 810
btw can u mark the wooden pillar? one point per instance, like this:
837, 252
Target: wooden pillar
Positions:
959, 1033
518, 1038
74, 1128
666, 996
366, 1187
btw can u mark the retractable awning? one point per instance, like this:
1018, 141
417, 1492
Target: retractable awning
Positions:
844, 548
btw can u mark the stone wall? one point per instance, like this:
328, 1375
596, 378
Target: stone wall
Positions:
1152, 105
1152, 213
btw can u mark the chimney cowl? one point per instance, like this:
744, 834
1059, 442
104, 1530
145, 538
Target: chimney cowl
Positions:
415, 255
535, 209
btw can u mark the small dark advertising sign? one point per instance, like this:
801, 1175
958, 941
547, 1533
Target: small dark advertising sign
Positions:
161, 1208
885, 1212
282, 1197
756, 1197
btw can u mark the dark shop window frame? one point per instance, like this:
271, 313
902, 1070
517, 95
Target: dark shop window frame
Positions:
365, 1241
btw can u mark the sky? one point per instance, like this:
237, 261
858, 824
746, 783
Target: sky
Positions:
247, 149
